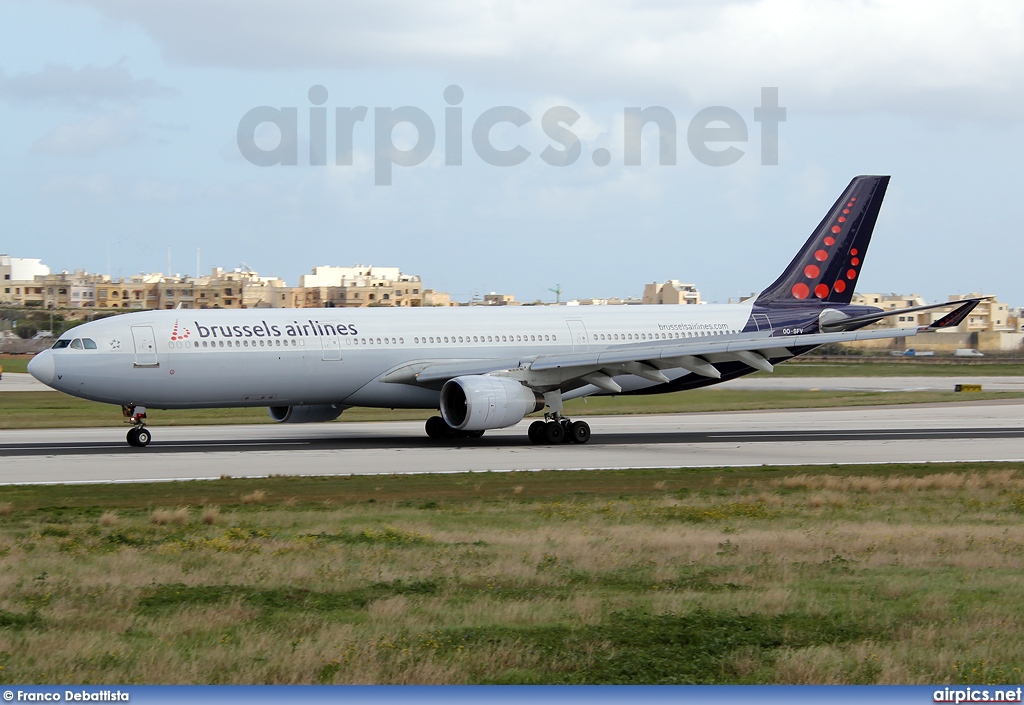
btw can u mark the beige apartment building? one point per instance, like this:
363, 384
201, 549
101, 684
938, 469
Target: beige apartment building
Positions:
989, 327
361, 285
671, 292
20, 287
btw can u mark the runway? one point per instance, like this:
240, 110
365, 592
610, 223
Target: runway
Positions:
984, 430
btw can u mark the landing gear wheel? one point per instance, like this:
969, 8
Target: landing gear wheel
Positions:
437, 429
471, 434
579, 432
553, 432
537, 432
139, 437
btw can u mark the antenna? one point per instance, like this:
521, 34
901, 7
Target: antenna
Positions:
558, 293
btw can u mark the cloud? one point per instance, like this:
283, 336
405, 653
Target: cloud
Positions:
90, 136
946, 58
86, 87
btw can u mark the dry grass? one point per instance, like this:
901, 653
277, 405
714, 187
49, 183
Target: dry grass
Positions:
255, 497
6, 508
950, 481
927, 568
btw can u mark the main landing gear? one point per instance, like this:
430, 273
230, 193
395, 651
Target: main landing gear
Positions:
559, 430
138, 435
439, 430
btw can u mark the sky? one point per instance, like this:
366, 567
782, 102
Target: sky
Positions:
125, 144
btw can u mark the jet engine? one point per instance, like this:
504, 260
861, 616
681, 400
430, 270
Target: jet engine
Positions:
310, 413
479, 402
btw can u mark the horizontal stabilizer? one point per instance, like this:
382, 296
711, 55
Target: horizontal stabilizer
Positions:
841, 324
956, 316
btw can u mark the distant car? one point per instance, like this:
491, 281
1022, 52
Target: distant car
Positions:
968, 352
912, 352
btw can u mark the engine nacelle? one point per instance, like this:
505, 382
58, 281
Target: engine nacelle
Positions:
479, 402
305, 414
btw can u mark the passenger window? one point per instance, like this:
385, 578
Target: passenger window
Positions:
76, 344
89, 343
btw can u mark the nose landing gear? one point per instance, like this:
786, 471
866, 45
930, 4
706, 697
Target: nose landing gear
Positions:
138, 435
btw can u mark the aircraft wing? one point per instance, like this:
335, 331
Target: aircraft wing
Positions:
648, 360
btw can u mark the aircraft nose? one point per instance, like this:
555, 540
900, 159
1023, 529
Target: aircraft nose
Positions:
41, 367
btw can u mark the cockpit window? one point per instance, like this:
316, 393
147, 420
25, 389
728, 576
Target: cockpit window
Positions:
76, 344
89, 343
61, 344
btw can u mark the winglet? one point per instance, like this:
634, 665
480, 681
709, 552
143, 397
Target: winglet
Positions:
954, 317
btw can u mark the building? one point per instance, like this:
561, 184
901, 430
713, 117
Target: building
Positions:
21, 269
989, 316
493, 299
990, 327
19, 281
436, 298
361, 285
140, 291
891, 302
671, 292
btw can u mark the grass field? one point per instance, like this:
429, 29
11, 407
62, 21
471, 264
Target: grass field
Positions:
897, 367
874, 574
53, 409
14, 363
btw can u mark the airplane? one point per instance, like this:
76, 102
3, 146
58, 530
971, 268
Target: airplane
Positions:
482, 368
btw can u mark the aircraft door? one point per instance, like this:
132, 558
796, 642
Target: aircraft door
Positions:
578, 335
145, 346
331, 347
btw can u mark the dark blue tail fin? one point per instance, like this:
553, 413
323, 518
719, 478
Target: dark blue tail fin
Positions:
827, 267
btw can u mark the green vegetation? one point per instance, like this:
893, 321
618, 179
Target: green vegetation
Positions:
853, 574
51, 409
15, 363
888, 366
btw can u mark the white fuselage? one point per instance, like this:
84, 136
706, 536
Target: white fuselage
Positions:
291, 357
